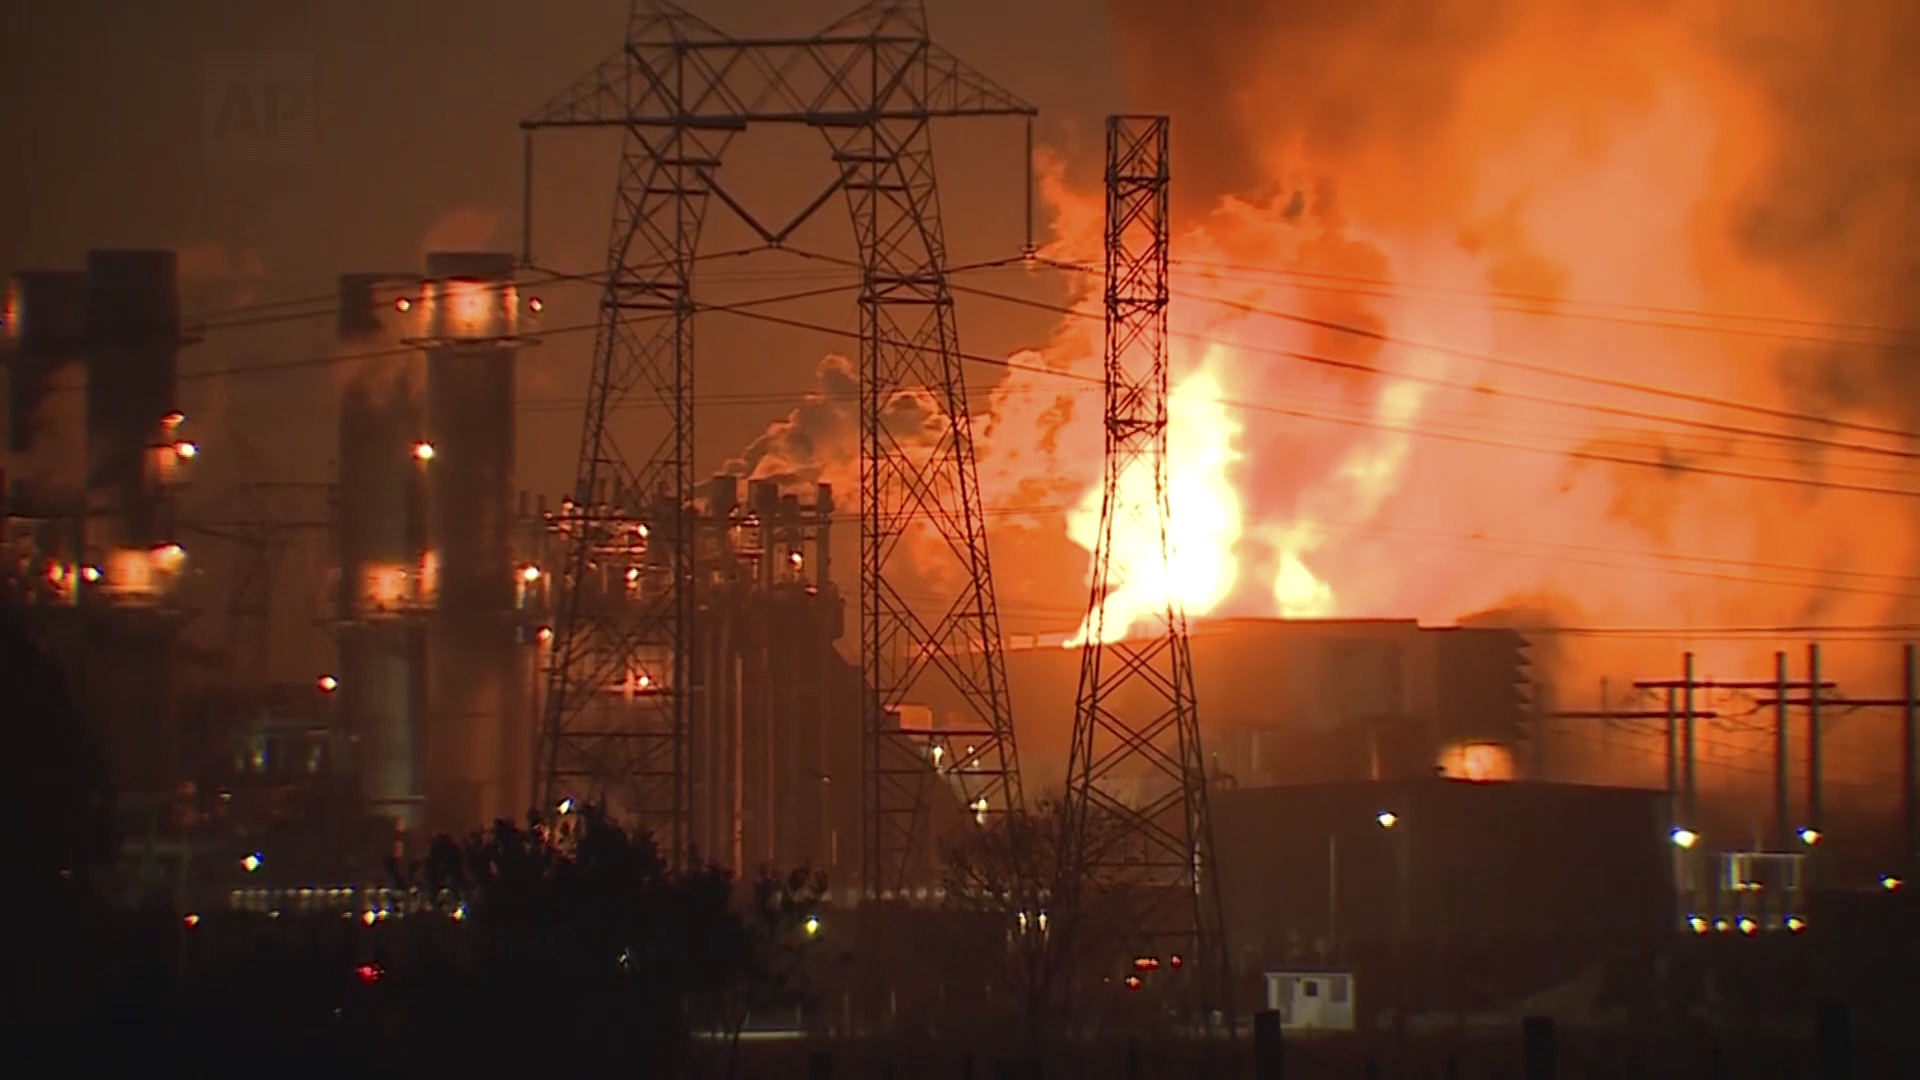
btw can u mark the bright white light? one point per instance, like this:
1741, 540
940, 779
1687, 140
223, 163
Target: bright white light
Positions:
250, 863
327, 684
812, 925
186, 450
1890, 883
529, 574
1387, 819
1809, 836
423, 451
1684, 839
566, 806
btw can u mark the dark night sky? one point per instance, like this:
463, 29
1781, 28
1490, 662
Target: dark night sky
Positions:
415, 143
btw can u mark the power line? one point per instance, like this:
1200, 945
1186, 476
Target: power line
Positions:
1515, 395
1384, 338
1557, 307
1278, 410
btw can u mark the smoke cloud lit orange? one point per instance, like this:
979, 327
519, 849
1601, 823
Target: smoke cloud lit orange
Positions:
1522, 308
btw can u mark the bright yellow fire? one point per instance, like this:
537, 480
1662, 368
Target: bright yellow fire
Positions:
1204, 519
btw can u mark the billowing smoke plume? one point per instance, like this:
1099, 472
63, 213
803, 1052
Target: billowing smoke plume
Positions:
818, 442
1573, 312
466, 228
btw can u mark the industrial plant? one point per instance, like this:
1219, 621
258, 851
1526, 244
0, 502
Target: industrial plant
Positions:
765, 671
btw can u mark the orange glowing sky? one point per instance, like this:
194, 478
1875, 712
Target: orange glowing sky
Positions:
1569, 214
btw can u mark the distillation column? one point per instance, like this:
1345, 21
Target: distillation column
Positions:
381, 603
477, 746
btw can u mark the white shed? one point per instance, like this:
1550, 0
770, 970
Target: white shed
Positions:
1312, 1000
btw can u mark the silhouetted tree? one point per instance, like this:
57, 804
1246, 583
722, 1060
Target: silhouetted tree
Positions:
599, 943
56, 773
58, 795
782, 935
1008, 876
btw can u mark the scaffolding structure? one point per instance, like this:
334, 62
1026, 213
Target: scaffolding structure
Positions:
619, 714
1140, 841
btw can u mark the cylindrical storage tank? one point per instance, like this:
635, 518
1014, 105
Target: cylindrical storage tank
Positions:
479, 737
133, 344
43, 331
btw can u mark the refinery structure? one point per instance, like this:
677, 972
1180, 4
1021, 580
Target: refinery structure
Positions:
697, 652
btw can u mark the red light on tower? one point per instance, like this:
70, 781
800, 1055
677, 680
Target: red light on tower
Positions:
369, 973
1146, 963
1174, 961
1133, 982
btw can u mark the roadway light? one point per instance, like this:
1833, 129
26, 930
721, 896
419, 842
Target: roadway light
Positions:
1684, 839
812, 925
1890, 883
251, 862
1809, 836
423, 451
566, 806
327, 684
186, 450
1387, 819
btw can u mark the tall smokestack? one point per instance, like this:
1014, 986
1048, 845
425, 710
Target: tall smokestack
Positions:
133, 347
382, 553
479, 742
133, 463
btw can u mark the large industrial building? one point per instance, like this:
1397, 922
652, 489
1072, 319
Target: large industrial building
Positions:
1312, 701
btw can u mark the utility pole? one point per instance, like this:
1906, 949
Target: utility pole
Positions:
679, 90
1682, 775
1782, 750
1690, 804
1147, 856
1607, 714
1909, 705
1910, 754
1816, 810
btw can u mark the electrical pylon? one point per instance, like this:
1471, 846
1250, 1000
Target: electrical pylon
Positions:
1140, 844
616, 715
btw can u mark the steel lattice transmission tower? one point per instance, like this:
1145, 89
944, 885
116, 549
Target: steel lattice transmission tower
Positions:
1140, 840
680, 90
